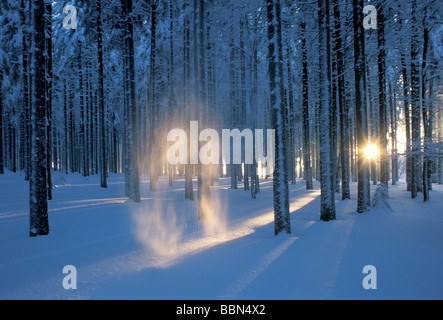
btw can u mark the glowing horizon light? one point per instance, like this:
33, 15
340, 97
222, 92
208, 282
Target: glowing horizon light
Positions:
371, 151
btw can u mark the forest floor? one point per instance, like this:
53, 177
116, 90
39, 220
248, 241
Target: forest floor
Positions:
157, 249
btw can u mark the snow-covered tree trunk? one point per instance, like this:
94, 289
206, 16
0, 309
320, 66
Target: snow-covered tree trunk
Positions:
26, 98
153, 99
394, 131
96, 132
342, 104
383, 124
189, 192
281, 187
213, 115
101, 96
171, 98
92, 118
306, 119
127, 132
372, 127
66, 130
133, 105
415, 103
327, 207
48, 86
82, 108
86, 120
233, 103
427, 164
333, 106
203, 178
282, 96
131, 143
291, 120
363, 201
254, 105
407, 111
71, 131
243, 96
38, 189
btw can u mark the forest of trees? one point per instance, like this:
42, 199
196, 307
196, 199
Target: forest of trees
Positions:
101, 97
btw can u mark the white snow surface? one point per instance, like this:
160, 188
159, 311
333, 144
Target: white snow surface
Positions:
157, 249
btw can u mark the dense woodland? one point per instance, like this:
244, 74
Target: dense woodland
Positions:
102, 97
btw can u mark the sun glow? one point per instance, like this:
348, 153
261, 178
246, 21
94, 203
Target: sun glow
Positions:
371, 151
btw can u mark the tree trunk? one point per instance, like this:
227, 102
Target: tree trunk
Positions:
243, 97
88, 118
342, 106
189, 191
153, 100
82, 109
233, 105
306, 128
171, 83
39, 224
26, 100
415, 103
92, 118
406, 86
71, 132
281, 187
204, 200
327, 207
65, 118
253, 103
291, 121
49, 129
361, 107
383, 125
393, 116
134, 182
103, 159
426, 121
332, 84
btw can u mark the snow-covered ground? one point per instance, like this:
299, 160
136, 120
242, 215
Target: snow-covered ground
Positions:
158, 249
